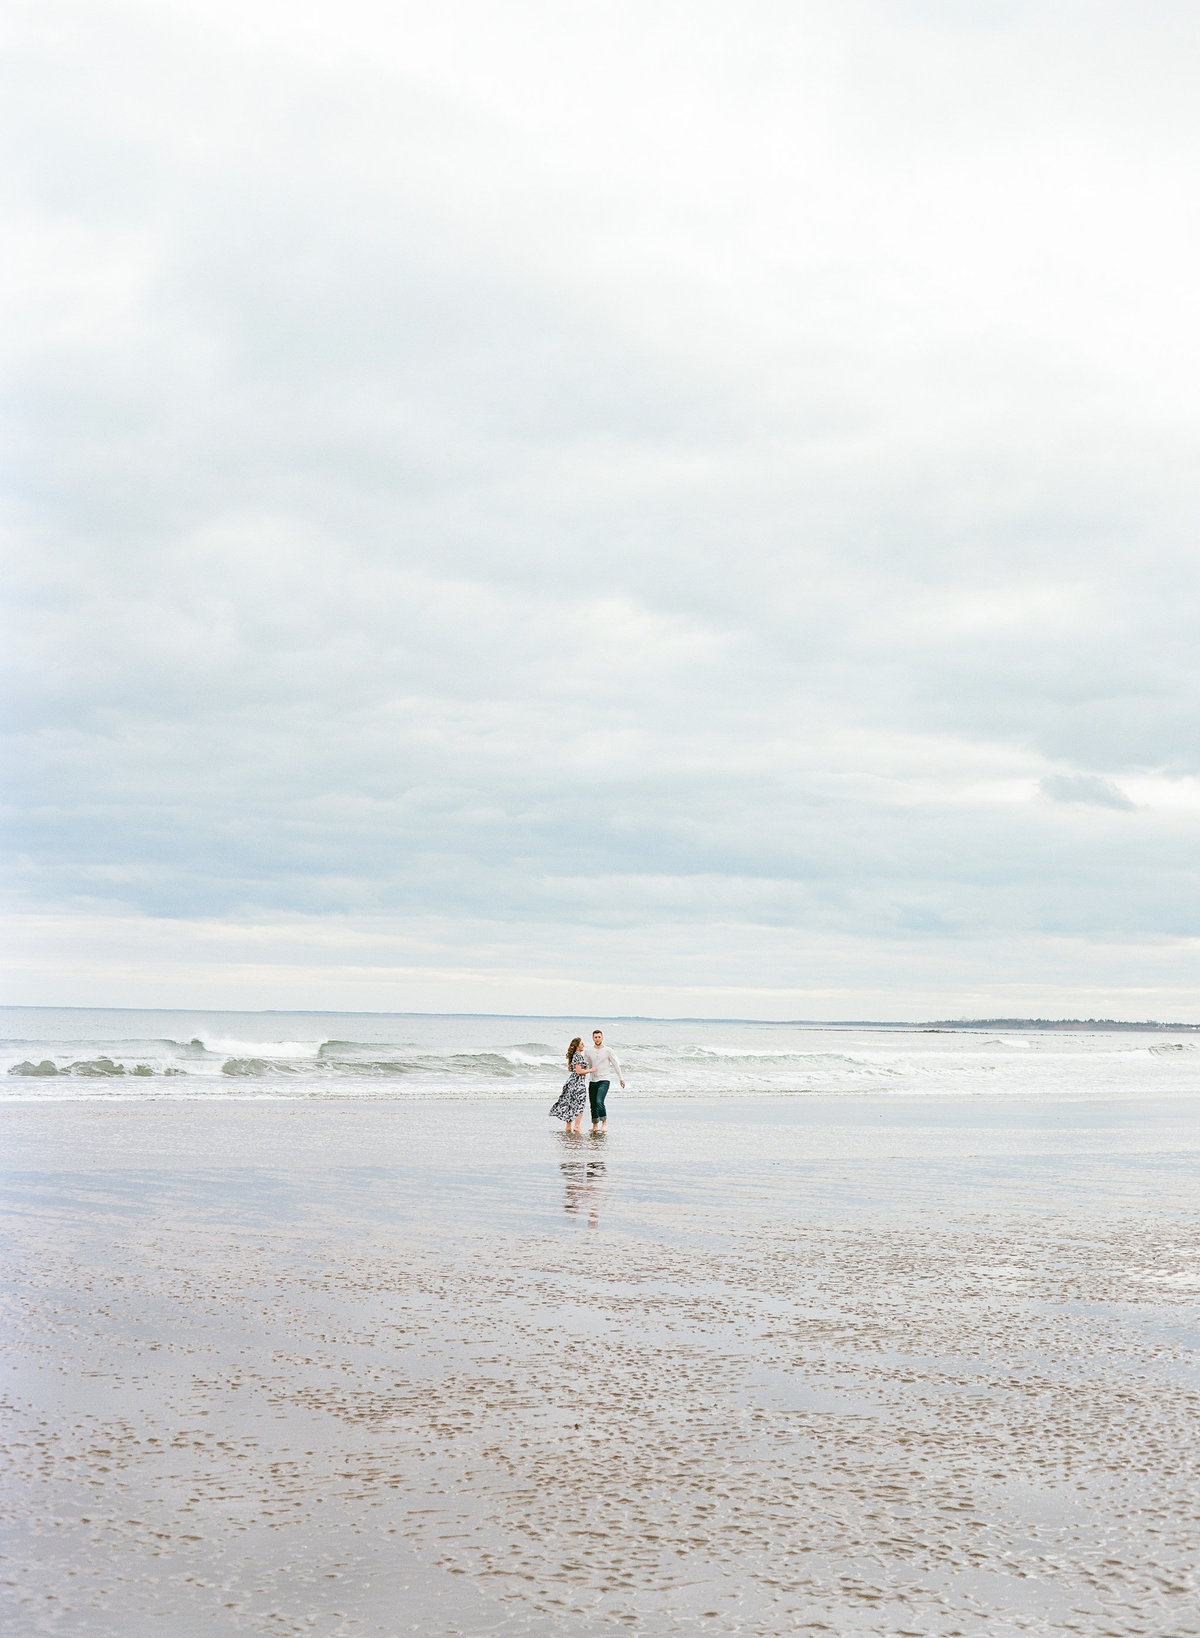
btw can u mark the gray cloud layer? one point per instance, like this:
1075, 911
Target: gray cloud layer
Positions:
727, 471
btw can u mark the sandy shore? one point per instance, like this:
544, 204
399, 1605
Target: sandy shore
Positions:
861, 1365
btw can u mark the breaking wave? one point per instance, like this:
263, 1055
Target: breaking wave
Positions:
677, 1060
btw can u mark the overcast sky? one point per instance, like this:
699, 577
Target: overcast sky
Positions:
670, 508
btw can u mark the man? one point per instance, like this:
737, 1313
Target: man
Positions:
603, 1069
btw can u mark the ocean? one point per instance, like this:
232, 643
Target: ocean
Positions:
71, 1053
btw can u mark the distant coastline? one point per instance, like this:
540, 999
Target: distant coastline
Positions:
1150, 1024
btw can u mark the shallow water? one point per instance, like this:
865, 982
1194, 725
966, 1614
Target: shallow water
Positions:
874, 1365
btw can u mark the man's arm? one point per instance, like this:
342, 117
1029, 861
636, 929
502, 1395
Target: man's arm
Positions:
616, 1066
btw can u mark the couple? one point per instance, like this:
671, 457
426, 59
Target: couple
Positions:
592, 1069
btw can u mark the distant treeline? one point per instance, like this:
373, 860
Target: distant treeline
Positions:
1053, 1023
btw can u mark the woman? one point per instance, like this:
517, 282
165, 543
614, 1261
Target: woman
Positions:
573, 1100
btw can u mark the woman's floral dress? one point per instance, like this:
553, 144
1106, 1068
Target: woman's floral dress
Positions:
574, 1093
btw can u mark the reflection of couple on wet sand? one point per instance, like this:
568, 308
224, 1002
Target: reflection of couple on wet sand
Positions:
581, 1181
592, 1071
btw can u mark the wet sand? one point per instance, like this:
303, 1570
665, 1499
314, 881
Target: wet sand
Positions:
841, 1365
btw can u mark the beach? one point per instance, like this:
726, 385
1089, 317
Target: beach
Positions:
662, 527
878, 1364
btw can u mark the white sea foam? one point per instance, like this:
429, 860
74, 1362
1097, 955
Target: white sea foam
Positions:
231, 1047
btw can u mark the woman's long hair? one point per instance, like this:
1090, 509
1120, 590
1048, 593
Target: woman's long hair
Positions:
577, 1042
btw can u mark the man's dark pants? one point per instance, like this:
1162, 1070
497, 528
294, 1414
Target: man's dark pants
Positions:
596, 1095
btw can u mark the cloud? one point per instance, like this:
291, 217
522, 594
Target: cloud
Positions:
1088, 788
470, 463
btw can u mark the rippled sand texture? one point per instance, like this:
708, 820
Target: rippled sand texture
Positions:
837, 1366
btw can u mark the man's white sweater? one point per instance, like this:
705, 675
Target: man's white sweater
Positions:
603, 1065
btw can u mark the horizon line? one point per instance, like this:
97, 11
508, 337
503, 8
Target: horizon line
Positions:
639, 1018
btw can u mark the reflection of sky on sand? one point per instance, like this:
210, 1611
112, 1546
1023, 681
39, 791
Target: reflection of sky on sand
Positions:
875, 1366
